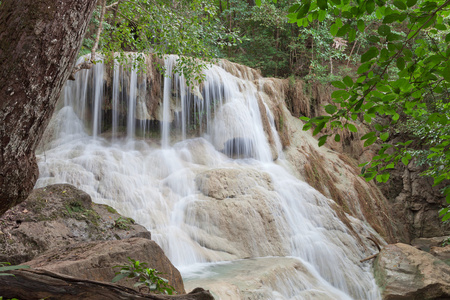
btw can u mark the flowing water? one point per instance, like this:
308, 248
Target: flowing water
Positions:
205, 184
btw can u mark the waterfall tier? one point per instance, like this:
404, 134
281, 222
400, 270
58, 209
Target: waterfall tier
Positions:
204, 170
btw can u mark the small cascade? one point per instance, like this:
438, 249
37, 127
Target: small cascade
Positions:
204, 182
132, 104
115, 99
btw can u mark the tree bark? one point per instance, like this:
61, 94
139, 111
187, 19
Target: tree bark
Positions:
39, 42
41, 284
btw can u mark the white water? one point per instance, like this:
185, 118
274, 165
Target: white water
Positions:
200, 205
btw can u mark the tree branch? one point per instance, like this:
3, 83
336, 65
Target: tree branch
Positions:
89, 64
99, 30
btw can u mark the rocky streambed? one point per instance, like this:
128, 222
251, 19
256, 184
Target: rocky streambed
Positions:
69, 241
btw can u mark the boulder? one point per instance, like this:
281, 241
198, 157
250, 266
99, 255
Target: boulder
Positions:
95, 260
404, 272
56, 216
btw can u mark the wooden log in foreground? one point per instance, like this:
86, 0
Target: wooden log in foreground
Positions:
41, 284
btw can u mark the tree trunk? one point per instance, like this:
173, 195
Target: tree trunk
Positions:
39, 42
41, 284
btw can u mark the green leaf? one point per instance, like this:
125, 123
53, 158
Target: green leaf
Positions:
361, 25
258, 2
443, 211
322, 4
396, 117
10, 268
390, 166
411, 2
383, 177
384, 136
322, 140
370, 6
322, 15
304, 10
369, 54
339, 85
384, 30
368, 135
405, 161
294, 8
331, 109
400, 4
306, 119
351, 127
337, 137
343, 30
348, 81
400, 63
446, 73
319, 127
370, 141
334, 29
446, 217
351, 35
391, 18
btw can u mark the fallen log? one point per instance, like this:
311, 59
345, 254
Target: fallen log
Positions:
42, 284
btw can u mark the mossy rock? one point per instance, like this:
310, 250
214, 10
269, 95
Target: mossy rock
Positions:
59, 215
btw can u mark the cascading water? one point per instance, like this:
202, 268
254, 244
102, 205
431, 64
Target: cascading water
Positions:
202, 206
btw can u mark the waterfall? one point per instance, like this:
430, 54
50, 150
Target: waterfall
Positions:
210, 186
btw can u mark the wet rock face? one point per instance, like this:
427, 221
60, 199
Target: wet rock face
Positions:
415, 202
95, 260
59, 215
404, 272
230, 183
241, 211
238, 147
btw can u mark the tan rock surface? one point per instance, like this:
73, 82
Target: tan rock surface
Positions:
95, 260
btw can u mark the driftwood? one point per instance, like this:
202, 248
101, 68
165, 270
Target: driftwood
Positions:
376, 254
41, 284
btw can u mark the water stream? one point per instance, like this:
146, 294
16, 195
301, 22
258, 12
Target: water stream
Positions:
205, 183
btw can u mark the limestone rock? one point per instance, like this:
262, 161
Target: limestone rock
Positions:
230, 183
404, 272
59, 215
95, 260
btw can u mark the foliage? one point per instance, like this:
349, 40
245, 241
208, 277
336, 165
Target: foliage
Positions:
187, 28
5, 266
278, 47
405, 74
146, 278
123, 223
446, 242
